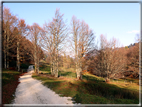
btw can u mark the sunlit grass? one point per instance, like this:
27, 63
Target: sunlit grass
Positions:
92, 89
66, 69
128, 83
89, 91
91, 77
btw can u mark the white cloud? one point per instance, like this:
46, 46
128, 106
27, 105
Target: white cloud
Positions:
134, 31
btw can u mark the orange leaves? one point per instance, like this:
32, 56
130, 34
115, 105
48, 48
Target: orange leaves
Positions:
21, 23
8, 18
132, 55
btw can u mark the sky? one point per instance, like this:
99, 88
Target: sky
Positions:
118, 20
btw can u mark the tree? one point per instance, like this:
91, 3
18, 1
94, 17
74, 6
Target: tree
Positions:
27, 50
55, 34
133, 58
109, 59
35, 33
133, 54
9, 22
20, 32
83, 42
75, 32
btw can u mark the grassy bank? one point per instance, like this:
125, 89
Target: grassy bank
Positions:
91, 90
9, 85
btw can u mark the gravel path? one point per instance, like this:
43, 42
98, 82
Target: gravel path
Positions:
31, 91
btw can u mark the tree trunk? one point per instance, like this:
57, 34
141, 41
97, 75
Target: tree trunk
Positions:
51, 69
7, 52
56, 65
35, 61
35, 68
54, 68
80, 69
57, 70
37, 65
51, 66
55, 58
7, 62
76, 58
35, 54
4, 57
18, 57
79, 74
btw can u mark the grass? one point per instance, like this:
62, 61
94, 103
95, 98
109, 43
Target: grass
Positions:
127, 83
9, 85
91, 90
44, 68
8, 76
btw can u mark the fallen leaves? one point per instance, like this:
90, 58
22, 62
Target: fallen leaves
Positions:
8, 90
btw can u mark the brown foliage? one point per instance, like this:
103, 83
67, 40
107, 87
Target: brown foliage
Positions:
113, 62
9, 22
15, 44
108, 60
133, 58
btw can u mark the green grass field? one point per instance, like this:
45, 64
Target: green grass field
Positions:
92, 89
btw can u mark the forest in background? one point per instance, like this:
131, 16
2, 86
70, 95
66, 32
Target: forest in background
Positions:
25, 44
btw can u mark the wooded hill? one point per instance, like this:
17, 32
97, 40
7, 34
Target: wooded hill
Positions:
119, 62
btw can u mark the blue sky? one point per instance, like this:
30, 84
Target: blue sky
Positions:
119, 20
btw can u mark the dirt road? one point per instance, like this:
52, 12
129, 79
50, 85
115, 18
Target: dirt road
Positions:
31, 91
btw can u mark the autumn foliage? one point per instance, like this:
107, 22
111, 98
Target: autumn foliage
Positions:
16, 46
25, 44
111, 61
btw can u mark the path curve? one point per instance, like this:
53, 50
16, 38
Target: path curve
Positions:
31, 91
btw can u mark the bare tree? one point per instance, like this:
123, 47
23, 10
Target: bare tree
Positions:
75, 32
35, 33
55, 34
46, 42
83, 42
109, 59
